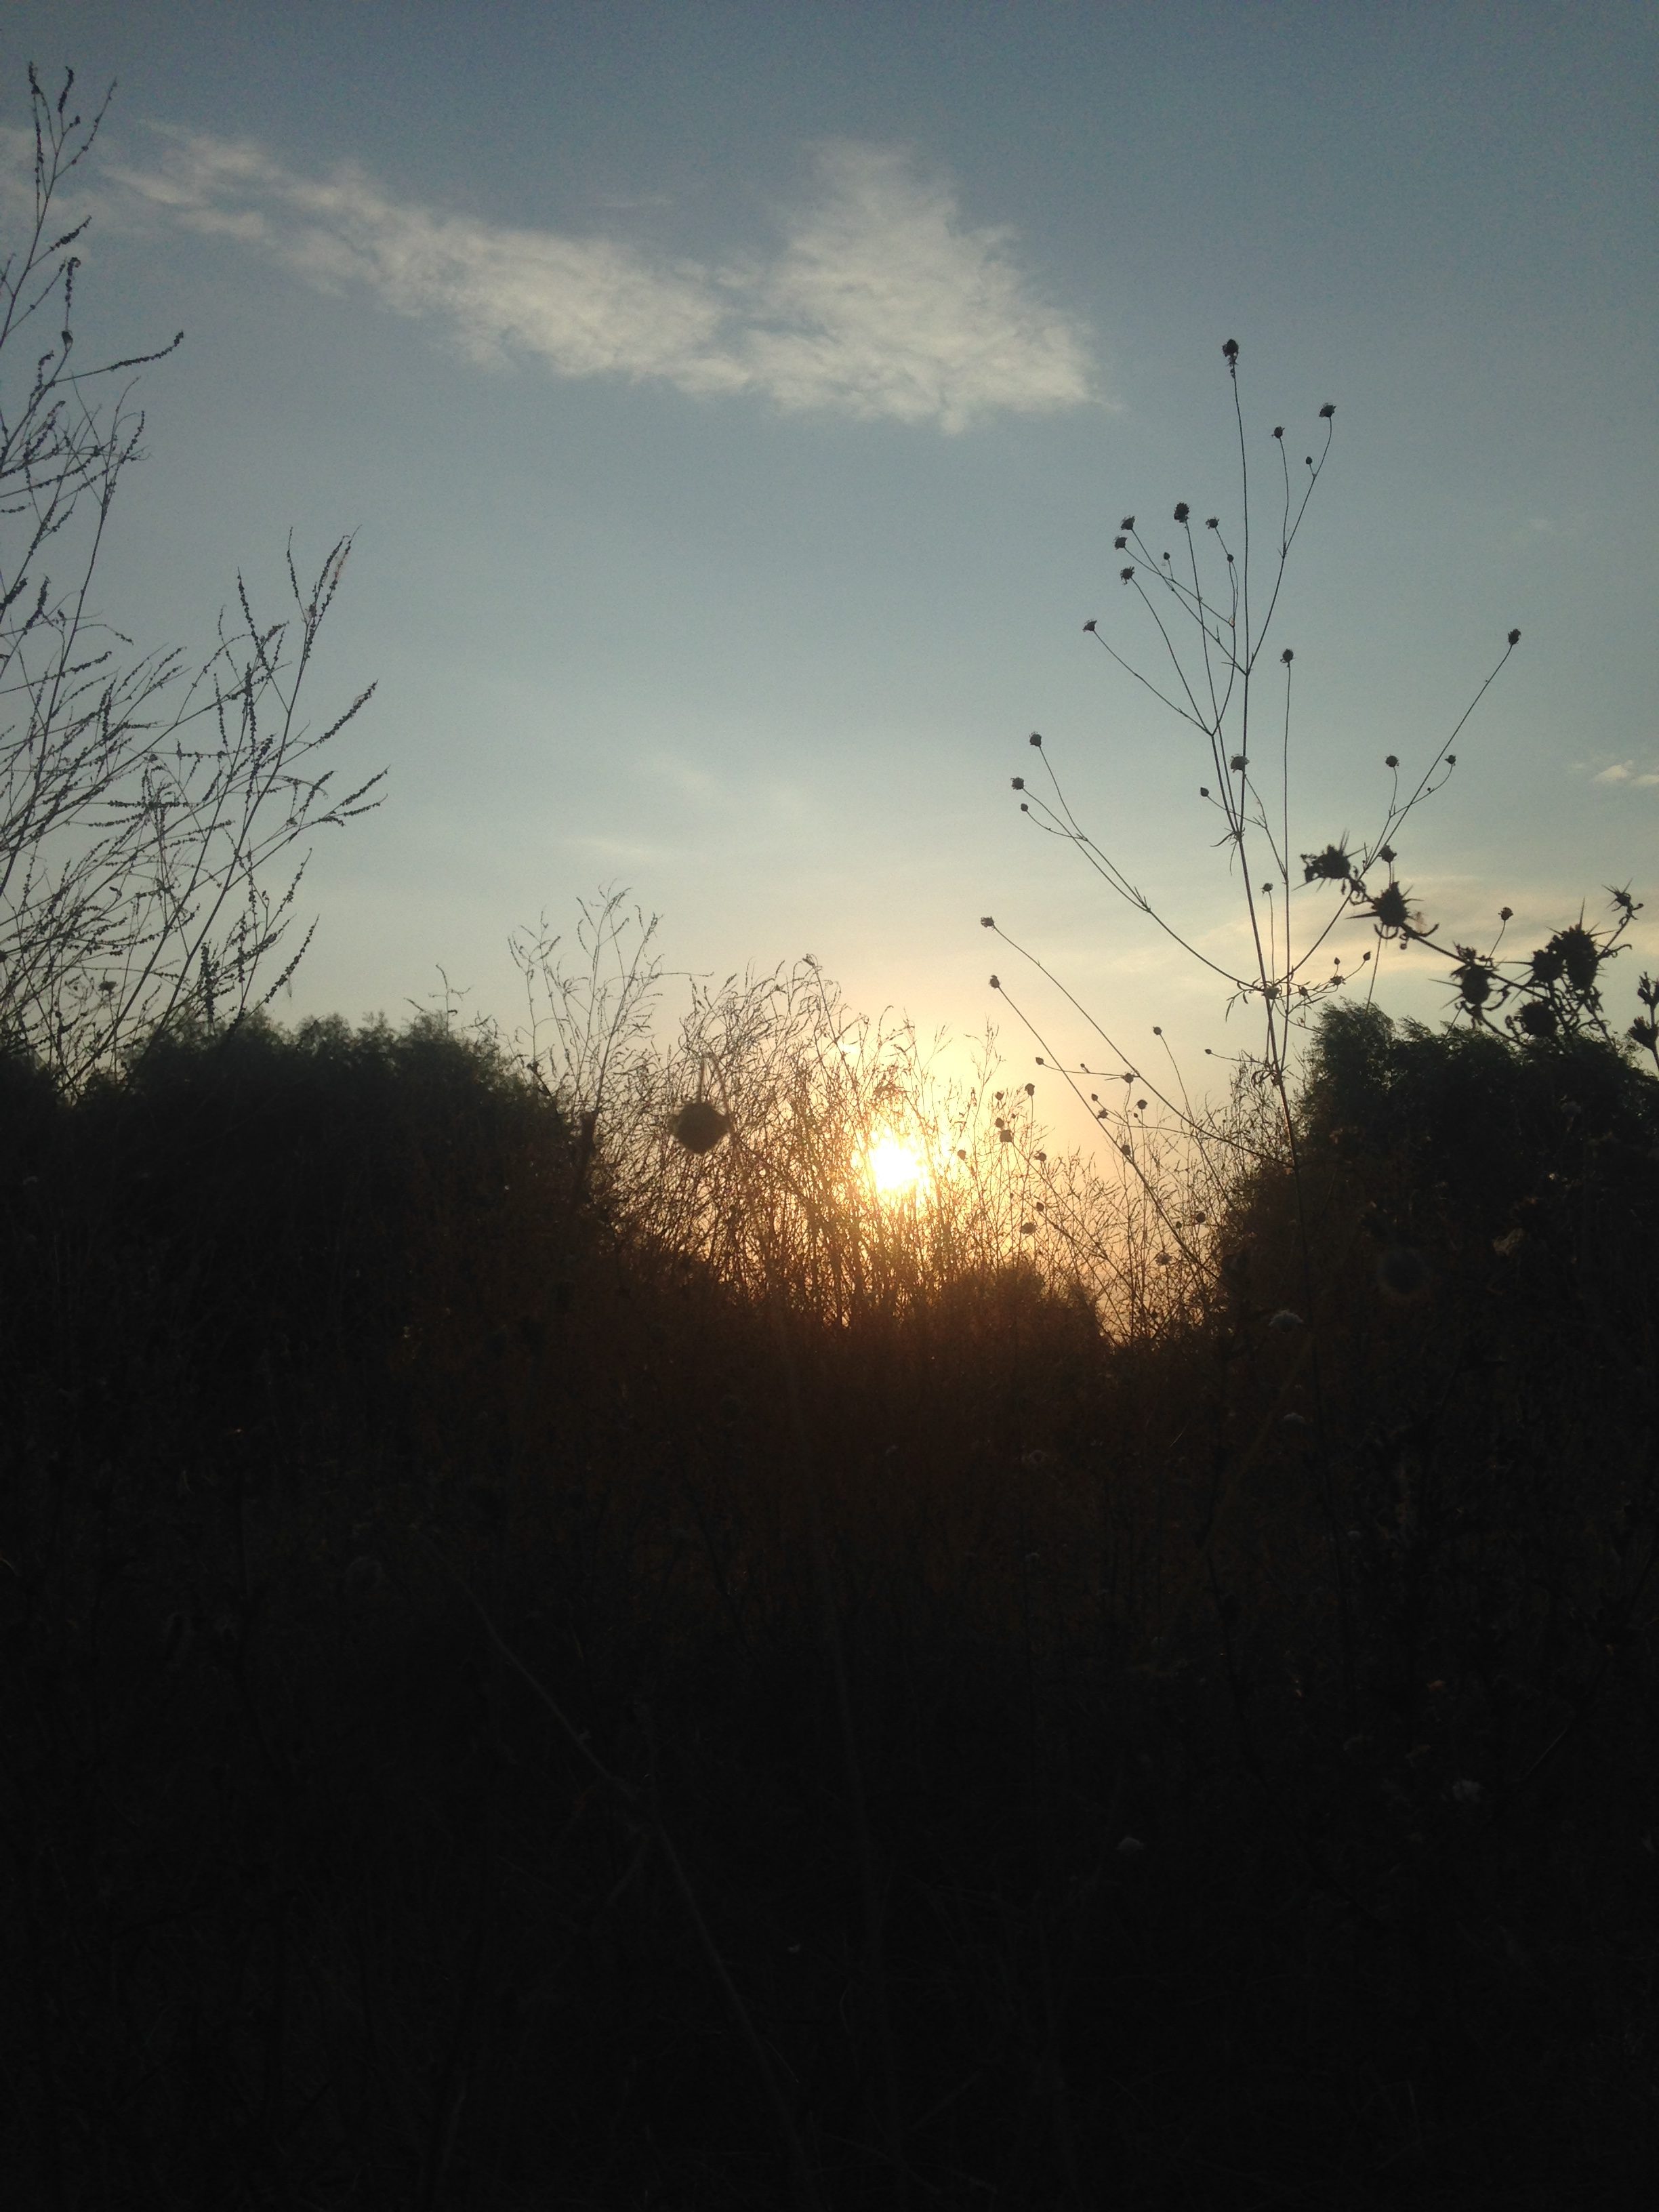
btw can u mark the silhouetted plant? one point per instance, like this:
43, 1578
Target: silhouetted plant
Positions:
143, 804
1213, 616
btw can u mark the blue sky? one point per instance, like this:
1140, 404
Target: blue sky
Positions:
735, 404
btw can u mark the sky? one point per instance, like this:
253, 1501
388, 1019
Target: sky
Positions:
734, 406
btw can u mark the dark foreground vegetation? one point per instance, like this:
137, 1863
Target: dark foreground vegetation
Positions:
1008, 1762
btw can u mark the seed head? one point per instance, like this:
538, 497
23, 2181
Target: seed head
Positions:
1332, 866
1474, 980
1090, 624
1390, 909
1181, 510
1124, 575
1035, 738
1391, 760
1326, 411
1515, 637
1127, 523
1287, 656
1230, 349
1578, 953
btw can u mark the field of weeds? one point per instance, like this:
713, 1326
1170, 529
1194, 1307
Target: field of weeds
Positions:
547, 1666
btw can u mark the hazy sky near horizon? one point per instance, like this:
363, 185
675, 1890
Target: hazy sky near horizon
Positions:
735, 405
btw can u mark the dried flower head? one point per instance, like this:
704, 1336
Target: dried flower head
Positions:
1474, 979
1579, 955
1391, 912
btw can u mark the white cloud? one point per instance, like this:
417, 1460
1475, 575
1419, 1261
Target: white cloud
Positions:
1627, 772
881, 302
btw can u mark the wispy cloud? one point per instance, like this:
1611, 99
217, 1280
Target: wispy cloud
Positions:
880, 302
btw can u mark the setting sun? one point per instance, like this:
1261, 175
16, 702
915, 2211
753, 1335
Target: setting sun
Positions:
893, 1166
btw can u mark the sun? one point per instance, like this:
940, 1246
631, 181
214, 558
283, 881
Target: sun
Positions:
893, 1166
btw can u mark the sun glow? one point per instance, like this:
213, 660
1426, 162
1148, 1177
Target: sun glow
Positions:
893, 1166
